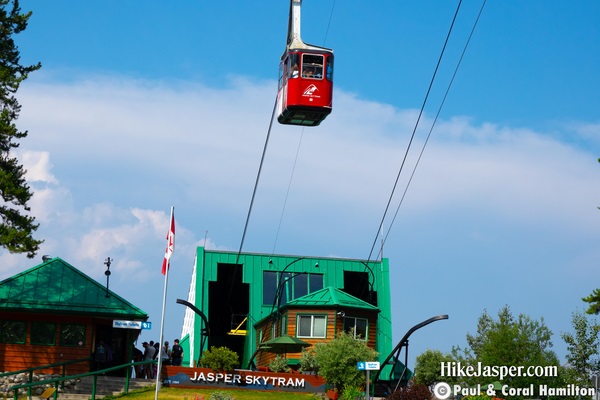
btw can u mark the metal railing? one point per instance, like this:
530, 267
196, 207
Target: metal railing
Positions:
31, 370
94, 374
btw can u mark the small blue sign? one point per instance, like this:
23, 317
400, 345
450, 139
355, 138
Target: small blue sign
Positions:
368, 365
146, 325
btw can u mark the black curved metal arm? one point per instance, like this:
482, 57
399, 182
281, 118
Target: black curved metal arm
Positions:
277, 299
197, 311
205, 333
404, 342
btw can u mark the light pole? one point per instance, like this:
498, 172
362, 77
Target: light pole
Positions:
107, 273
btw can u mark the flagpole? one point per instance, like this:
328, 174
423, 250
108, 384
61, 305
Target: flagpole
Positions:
170, 242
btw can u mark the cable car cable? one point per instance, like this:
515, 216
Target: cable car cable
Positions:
434, 121
329, 22
287, 193
262, 160
414, 131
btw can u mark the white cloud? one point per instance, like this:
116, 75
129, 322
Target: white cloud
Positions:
37, 164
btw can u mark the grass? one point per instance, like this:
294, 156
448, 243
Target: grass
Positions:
167, 393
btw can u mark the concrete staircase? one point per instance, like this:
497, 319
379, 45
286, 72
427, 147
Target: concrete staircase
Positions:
105, 385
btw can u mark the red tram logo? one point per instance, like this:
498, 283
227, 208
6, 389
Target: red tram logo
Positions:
311, 91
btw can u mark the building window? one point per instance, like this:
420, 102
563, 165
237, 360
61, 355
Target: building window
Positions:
316, 283
43, 333
356, 326
300, 285
13, 332
284, 325
293, 286
72, 335
312, 326
269, 286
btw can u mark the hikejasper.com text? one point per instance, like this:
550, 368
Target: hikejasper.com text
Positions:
457, 369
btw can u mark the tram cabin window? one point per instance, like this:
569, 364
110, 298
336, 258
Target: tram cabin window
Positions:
312, 66
329, 68
281, 74
293, 65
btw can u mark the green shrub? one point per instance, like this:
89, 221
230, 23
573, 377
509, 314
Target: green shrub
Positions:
221, 396
220, 359
279, 364
308, 362
352, 393
337, 361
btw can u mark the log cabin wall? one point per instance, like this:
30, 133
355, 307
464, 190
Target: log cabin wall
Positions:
335, 324
17, 356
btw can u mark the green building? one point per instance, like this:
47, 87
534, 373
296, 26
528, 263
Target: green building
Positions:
242, 300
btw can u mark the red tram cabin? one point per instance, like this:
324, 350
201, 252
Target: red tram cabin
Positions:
305, 78
305, 88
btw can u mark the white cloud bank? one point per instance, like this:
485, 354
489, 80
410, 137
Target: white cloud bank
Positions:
108, 156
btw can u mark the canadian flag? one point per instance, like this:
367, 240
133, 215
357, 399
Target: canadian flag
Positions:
170, 245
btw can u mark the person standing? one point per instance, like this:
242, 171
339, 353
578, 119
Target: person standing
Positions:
138, 356
166, 354
176, 353
101, 355
149, 356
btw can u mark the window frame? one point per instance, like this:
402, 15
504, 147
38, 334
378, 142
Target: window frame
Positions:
312, 317
353, 328
283, 328
68, 343
38, 326
21, 337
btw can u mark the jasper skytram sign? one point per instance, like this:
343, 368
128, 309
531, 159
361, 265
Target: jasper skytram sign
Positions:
242, 379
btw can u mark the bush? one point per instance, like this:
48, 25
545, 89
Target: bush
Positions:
352, 393
413, 392
308, 362
337, 361
220, 359
221, 396
279, 364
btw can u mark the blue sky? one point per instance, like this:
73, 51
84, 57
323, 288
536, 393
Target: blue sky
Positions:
143, 105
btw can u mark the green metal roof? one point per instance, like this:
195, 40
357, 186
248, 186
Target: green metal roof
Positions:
56, 286
330, 297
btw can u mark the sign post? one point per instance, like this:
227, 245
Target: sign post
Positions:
368, 366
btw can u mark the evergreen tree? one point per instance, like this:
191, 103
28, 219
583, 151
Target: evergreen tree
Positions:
594, 302
16, 226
